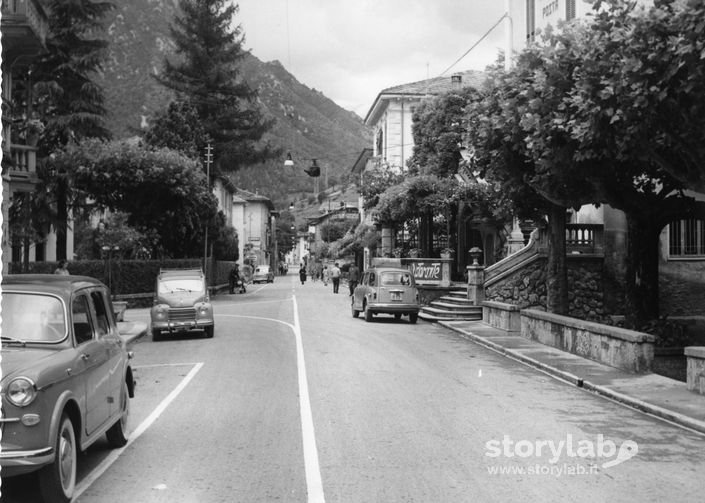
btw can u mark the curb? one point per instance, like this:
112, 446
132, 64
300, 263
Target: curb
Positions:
655, 410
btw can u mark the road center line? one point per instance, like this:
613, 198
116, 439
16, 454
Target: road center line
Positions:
314, 485
313, 470
115, 454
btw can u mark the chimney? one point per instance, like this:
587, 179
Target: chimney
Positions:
456, 79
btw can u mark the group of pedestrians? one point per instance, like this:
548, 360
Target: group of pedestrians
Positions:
333, 274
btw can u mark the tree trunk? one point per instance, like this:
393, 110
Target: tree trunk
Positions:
556, 270
641, 289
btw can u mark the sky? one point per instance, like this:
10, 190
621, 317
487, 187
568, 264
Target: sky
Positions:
350, 50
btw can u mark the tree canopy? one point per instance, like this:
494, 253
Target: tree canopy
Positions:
205, 72
163, 192
604, 111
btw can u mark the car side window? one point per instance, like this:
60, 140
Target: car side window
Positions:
80, 314
101, 313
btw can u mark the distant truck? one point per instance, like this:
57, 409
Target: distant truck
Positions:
181, 303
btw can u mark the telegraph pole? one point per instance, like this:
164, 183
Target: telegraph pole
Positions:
208, 160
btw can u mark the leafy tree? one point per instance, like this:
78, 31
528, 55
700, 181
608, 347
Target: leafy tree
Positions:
374, 182
583, 117
178, 128
438, 133
65, 96
207, 75
163, 192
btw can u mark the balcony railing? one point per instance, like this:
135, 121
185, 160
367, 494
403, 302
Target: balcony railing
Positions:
24, 162
584, 238
24, 22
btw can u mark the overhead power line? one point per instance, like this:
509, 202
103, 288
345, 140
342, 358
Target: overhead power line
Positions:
506, 14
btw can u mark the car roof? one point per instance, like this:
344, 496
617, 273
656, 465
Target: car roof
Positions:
181, 273
55, 283
379, 269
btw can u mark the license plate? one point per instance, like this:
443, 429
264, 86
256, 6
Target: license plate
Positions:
396, 295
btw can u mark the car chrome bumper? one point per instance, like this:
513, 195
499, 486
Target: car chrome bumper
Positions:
179, 326
393, 308
16, 462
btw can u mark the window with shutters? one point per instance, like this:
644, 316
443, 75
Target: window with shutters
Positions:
686, 239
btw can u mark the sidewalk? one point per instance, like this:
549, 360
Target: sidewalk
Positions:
657, 395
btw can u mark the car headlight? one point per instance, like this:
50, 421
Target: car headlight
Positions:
158, 313
21, 392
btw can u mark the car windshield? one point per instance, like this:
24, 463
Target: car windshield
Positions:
394, 278
180, 285
32, 317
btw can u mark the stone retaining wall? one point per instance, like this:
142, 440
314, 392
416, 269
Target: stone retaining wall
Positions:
526, 287
501, 315
617, 347
696, 368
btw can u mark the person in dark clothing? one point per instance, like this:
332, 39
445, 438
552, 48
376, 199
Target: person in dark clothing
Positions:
234, 278
353, 277
302, 274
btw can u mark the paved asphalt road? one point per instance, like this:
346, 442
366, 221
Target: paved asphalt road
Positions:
295, 401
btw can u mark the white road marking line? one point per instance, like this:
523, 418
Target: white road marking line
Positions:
114, 455
313, 470
314, 484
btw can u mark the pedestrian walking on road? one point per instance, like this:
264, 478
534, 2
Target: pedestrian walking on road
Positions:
353, 277
302, 273
326, 275
335, 276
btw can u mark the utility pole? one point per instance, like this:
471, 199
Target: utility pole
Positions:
209, 160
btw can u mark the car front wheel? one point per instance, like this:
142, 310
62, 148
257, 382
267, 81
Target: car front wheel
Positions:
413, 317
117, 434
209, 331
57, 481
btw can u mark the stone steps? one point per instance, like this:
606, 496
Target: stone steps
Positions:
452, 307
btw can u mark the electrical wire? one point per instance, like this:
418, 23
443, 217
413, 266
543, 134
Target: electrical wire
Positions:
506, 14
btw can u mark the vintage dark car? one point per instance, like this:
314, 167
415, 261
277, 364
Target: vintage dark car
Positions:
66, 377
386, 290
263, 274
181, 303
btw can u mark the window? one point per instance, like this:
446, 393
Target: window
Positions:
530, 20
569, 10
81, 319
101, 313
686, 238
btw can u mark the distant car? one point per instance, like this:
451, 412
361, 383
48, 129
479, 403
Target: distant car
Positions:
386, 290
66, 377
263, 274
181, 303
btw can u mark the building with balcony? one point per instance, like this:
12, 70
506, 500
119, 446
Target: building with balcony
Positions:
24, 28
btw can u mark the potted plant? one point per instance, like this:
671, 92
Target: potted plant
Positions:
32, 130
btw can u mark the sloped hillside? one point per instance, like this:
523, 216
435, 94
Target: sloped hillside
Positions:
308, 124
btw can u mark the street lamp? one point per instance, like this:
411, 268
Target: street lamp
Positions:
108, 256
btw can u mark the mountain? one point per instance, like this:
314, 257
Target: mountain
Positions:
307, 123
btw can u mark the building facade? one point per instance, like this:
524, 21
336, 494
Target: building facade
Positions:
253, 217
24, 29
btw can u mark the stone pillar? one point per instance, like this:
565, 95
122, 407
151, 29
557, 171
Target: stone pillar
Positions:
387, 241
476, 283
516, 238
445, 271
